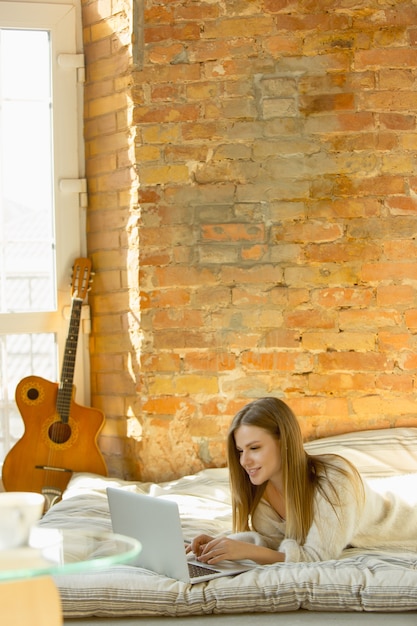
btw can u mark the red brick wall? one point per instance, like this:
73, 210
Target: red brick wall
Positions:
255, 181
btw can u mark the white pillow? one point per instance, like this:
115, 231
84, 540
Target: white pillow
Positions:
375, 453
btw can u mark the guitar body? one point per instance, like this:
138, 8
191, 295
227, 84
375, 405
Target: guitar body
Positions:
50, 450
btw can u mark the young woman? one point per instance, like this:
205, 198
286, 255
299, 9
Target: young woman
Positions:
291, 506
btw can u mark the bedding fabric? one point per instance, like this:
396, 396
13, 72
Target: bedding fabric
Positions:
362, 580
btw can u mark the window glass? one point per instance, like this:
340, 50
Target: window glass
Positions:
27, 277
42, 217
20, 354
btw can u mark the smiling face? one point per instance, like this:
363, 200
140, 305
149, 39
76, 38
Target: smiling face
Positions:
259, 454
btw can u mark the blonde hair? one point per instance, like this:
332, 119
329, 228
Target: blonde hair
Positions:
302, 474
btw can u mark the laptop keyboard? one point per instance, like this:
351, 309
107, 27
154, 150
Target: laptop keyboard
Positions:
200, 570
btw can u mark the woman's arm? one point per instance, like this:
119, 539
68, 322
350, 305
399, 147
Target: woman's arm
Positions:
213, 550
333, 528
336, 520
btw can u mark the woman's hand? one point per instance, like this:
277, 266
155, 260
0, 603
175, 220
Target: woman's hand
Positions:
197, 544
222, 548
213, 550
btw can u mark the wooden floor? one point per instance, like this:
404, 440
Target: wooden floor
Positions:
296, 618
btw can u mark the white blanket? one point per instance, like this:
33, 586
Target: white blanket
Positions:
362, 580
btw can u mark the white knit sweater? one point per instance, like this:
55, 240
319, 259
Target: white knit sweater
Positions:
373, 521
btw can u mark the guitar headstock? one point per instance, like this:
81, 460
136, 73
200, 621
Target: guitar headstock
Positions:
81, 278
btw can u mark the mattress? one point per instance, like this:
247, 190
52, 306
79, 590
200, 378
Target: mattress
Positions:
380, 579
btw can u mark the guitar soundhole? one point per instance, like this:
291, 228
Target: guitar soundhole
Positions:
59, 432
32, 393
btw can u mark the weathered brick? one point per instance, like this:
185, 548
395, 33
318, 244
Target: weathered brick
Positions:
411, 319
375, 272
339, 297
388, 57
147, 153
278, 45
396, 295
166, 32
309, 231
369, 319
165, 114
327, 102
333, 383
339, 341
197, 12
251, 221
354, 361
398, 121
162, 174
233, 232
395, 382
218, 254
177, 318
239, 26
186, 276
394, 341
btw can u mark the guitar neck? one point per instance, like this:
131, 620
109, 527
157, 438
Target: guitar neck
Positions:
65, 388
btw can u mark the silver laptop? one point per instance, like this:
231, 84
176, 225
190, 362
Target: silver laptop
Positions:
155, 522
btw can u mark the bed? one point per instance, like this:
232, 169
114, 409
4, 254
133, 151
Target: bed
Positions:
382, 579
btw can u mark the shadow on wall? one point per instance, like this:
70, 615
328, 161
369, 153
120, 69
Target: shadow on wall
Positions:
113, 230
276, 226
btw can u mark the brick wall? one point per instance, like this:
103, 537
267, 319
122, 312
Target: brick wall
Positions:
254, 181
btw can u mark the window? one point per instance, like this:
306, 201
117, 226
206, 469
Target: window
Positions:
42, 196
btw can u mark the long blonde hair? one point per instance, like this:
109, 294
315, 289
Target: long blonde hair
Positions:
302, 474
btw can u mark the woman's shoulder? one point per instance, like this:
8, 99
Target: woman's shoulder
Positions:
337, 476
333, 469
335, 463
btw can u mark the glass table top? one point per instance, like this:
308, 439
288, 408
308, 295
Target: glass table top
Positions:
52, 551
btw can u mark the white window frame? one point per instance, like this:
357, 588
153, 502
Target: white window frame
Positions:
62, 18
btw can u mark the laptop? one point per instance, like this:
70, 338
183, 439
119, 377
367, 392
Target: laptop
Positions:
156, 523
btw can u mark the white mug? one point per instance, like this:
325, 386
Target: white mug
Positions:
19, 511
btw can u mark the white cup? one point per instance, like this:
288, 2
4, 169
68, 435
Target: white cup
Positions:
19, 511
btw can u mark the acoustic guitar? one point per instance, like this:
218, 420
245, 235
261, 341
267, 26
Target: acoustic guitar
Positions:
60, 436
